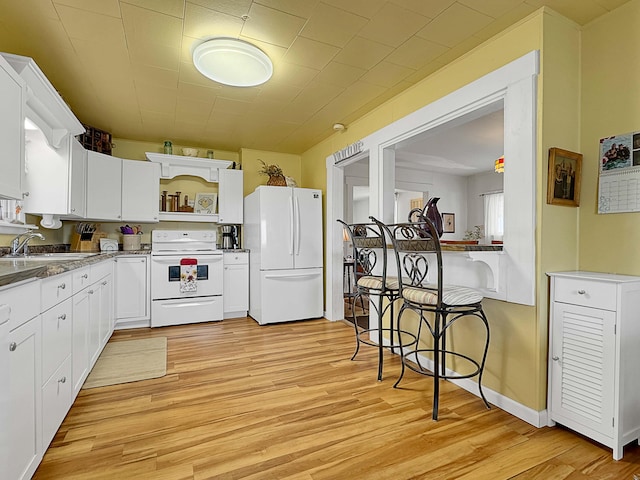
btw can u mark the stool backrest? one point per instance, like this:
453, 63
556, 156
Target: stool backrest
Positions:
369, 247
417, 251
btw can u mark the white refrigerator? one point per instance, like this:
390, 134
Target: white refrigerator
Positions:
283, 232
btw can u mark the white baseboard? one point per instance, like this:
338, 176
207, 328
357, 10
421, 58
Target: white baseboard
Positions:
126, 324
536, 418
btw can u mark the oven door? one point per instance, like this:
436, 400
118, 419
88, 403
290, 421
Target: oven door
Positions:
166, 275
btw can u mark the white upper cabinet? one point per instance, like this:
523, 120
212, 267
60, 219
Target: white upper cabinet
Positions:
44, 105
104, 187
120, 189
140, 191
48, 127
12, 91
77, 180
230, 196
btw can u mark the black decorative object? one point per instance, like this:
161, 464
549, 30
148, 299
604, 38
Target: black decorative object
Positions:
429, 212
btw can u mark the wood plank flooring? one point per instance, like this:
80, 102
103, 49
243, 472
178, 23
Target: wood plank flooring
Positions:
241, 401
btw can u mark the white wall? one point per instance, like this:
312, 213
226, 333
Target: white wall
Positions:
476, 186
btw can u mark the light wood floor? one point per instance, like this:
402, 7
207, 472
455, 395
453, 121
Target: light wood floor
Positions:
241, 401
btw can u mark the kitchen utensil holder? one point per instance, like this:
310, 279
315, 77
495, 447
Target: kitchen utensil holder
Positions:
131, 242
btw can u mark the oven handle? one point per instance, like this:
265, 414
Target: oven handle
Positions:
190, 304
176, 259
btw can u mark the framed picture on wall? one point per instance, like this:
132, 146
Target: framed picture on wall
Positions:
563, 182
448, 223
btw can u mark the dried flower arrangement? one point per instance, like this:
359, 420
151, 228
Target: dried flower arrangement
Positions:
270, 170
275, 174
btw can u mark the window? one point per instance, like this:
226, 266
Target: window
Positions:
494, 215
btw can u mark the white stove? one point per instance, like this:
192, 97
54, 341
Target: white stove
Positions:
186, 277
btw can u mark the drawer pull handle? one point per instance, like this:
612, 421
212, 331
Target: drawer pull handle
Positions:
13, 346
90, 292
581, 292
62, 317
104, 283
85, 276
62, 286
555, 358
63, 380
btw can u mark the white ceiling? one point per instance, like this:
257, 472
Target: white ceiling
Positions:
125, 65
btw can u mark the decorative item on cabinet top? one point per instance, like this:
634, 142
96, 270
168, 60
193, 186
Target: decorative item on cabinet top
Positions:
275, 174
95, 140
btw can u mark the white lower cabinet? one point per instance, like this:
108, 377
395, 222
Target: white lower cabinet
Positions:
23, 395
594, 330
235, 295
57, 328
26, 399
80, 342
132, 296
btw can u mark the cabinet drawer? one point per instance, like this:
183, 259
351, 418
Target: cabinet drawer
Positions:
240, 258
24, 302
56, 289
56, 401
100, 270
56, 337
81, 279
588, 293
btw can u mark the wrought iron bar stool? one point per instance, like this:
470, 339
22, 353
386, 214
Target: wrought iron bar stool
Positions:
369, 253
438, 306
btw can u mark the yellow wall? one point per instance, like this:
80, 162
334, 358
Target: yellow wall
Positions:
610, 106
516, 365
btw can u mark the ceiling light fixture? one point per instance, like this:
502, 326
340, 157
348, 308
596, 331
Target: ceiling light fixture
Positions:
232, 62
499, 165
338, 127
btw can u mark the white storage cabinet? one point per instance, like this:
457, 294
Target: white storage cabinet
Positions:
12, 99
57, 383
132, 291
235, 296
25, 385
230, 196
120, 189
594, 386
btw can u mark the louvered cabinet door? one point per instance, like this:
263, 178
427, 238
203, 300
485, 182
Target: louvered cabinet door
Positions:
582, 368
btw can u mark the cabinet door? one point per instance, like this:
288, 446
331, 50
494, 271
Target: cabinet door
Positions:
235, 297
56, 332
12, 98
77, 180
80, 340
47, 174
104, 189
26, 395
230, 196
104, 288
140, 198
93, 325
5, 393
583, 367
132, 294
56, 401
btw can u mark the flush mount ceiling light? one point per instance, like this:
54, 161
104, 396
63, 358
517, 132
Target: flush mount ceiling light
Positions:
499, 165
232, 62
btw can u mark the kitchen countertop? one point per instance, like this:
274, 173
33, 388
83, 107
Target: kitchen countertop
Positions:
21, 270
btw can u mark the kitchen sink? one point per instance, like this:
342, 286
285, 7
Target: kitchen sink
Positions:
47, 257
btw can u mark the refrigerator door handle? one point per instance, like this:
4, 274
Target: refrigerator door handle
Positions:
291, 220
297, 223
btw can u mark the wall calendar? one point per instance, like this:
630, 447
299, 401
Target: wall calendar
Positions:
619, 179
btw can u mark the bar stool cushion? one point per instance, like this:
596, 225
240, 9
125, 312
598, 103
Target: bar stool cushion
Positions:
371, 282
453, 295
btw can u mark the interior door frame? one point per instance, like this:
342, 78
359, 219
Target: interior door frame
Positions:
516, 84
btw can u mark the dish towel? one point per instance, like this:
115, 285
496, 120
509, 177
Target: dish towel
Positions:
188, 275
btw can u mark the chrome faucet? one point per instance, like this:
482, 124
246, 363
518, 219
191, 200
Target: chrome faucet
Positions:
17, 245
